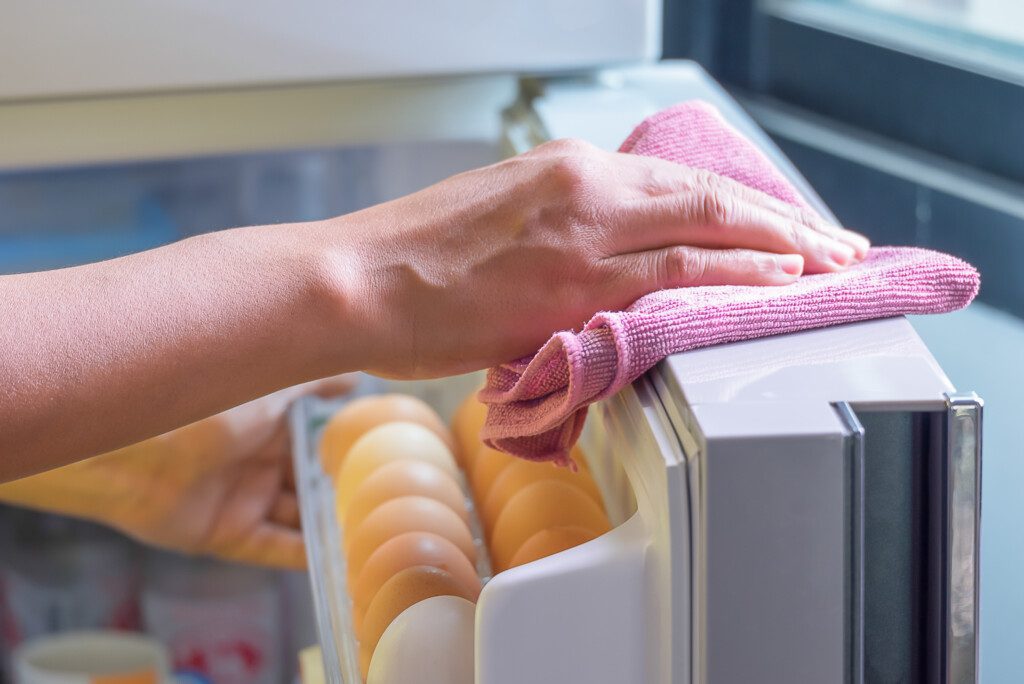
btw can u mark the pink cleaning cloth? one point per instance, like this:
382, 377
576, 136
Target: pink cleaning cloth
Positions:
537, 405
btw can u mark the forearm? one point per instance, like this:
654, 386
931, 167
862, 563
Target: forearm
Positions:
96, 357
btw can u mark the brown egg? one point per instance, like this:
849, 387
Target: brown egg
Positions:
518, 475
466, 424
549, 542
487, 466
384, 444
405, 478
406, 514
540, 506
361, 415
405, 588
405, 551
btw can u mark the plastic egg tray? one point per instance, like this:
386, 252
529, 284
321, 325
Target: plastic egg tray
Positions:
324, 538
522, 612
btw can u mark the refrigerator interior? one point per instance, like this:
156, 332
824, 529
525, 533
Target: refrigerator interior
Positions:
58, 574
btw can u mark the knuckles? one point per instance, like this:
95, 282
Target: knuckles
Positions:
574, 171
712, 204
566, 147
715, 210
683, 267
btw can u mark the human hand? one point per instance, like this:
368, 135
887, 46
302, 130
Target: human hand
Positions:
222, 486
481, 268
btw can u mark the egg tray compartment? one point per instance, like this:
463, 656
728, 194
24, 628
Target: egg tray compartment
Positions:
323, 536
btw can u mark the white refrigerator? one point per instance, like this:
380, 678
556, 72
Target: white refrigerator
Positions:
802, 508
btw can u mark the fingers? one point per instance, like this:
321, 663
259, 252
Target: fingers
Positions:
673, 197
665, 178
285, 510
270, 545
799, 215
719, 220
288, 479
692, 266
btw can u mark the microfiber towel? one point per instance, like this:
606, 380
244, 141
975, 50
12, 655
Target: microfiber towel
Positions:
537, 405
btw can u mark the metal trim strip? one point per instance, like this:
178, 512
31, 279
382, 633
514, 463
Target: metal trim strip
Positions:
854, 444
963, 538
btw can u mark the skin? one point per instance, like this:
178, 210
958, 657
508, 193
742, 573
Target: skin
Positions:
220, 486
474, 271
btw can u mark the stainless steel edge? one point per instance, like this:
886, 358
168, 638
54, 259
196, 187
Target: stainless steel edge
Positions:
855, 513
963, 539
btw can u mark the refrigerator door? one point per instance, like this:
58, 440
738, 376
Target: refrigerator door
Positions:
776, 540
836, 481
614, 609
832, 474
617, 608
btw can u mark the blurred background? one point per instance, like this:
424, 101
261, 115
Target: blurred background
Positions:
907, 116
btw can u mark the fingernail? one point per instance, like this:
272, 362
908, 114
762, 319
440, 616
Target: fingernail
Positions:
860, 243
842, 254
793, 264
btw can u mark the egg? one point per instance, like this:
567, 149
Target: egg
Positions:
406, 588
359, 416
540, 506
405, 551
466, 424
405, 478
549, 542
405, 514
429, 642
384, 444
518, 475
487, 466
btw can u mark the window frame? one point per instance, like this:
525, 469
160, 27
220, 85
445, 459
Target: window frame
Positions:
952, 179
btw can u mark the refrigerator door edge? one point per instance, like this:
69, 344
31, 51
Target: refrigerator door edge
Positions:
963, 542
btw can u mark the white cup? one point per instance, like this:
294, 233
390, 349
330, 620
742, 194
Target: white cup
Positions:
91, 658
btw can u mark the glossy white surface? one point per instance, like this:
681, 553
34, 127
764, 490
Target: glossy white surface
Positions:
873, 364
609, 610
113, 46
771, 556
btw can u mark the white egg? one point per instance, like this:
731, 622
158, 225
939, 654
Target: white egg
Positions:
431, 642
